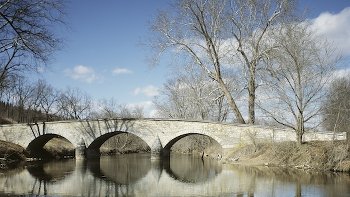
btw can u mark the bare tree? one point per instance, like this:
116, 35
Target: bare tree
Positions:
126, 111
27, 37
336, 112
23, 92
211, 32
112, 109
189, 95
46, 98
301, 67
250, 23
74, 104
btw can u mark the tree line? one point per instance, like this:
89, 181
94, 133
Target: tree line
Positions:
40, 101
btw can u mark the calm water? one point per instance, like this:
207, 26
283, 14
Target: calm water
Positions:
137, 175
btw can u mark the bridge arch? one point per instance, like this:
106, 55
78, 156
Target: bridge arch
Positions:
214, 153
36, 146
93, 149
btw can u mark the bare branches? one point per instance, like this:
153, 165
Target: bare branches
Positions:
27, 37
74, 104
336, 110
216, 34
297, 76
189, 95
198, 32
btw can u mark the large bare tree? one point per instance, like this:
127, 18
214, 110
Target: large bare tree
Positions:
299, 69
250, 22
26, 35
211, 32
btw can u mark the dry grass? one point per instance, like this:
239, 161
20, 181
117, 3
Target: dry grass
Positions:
311, 155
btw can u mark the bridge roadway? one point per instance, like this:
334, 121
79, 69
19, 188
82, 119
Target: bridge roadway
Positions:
159, 134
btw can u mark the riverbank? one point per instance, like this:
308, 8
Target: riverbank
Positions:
317, 155
11, 155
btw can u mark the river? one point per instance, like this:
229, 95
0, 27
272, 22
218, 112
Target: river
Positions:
181, 175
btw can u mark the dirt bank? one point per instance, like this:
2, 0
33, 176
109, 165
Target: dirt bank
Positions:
324, 156
11, 155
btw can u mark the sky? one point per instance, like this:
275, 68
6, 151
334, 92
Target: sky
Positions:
102, 52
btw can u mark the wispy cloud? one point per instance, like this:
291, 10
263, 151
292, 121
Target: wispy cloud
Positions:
149, 91
119, 71
335, 28
82, 73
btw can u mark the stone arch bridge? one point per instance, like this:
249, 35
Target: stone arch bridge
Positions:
159, 134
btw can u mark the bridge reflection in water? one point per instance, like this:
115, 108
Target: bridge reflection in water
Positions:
181, 175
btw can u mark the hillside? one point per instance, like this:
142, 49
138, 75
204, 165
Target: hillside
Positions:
6, 121
10, 114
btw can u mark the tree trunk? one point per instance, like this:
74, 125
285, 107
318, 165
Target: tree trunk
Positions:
251, 92
300, 129
231, 101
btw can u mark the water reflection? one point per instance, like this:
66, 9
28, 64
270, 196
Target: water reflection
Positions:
290, 182
137, 175
51, 171
191, 169
121, 169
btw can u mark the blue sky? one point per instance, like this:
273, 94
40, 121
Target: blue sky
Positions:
103, 57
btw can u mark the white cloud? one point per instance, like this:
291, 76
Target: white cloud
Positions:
118, 71
149, 91
82, 73
335, 27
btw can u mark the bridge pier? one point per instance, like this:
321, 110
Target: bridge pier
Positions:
80, 150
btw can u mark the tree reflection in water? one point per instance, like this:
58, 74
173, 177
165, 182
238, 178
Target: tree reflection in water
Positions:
46, 173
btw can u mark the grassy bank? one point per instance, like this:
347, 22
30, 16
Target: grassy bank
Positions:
324, 156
